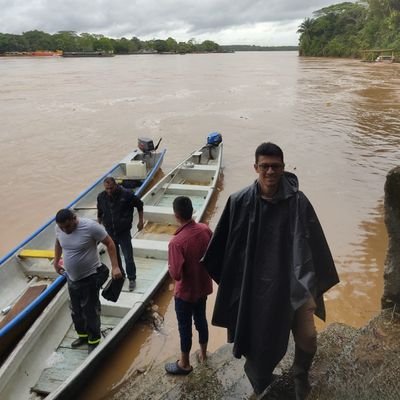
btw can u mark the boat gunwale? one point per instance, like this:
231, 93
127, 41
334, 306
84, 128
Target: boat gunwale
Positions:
68, 387
61, 280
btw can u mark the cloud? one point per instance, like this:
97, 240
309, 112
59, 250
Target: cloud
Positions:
268, 22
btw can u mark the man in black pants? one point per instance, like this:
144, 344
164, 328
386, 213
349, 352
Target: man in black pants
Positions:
115, 206
76, 240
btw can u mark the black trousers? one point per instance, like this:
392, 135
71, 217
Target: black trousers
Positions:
85, 307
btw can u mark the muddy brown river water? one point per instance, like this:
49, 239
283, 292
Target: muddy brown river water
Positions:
63, 122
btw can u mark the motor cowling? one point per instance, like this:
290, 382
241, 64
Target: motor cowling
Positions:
145, 144
214, 139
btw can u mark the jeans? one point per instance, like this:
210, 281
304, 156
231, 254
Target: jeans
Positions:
85, 307
124, 241
184, 313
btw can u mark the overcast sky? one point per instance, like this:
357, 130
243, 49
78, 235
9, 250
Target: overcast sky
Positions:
260, 22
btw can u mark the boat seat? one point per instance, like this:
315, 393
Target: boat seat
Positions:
33, 253
199, 167
159, 214
150, 248
197, 156
27, 298
186, 187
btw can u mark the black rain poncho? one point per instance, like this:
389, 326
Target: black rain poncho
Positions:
268, 258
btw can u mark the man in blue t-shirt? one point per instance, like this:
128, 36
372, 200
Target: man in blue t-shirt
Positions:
76, 240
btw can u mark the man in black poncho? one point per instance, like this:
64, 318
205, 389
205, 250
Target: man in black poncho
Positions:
272, 263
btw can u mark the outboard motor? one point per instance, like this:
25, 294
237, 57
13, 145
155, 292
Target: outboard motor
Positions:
145, 144
214, 139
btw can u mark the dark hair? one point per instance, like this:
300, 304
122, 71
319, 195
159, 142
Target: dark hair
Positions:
109, 179
269, 149
64, 215
183, 208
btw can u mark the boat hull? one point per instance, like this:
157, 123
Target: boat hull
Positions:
20, 274
63, 379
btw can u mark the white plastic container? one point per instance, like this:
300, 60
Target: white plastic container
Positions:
136, 169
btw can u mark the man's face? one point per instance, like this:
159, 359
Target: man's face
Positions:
69, 225
110, 187
270, 170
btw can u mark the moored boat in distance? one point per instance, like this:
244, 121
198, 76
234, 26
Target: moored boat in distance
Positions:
44, 364
28, 281
88, 54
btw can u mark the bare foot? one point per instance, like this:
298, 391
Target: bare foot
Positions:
201, 357
187, 367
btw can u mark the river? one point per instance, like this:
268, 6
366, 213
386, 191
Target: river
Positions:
66, 121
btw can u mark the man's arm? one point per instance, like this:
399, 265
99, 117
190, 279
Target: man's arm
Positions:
112, 252
140, 223
57, 256
99, 211
139, 205
175, 262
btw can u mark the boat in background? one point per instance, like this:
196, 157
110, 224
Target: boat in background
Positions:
37, 53
28, 281
44, 364
88, 54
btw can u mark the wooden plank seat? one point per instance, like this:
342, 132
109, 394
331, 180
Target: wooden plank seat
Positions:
34, 253
159, 214
186, 187
27, 298
150, 248
199, 167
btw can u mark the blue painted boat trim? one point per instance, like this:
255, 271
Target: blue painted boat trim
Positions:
54, 287
30, 237
60, 281
140, 190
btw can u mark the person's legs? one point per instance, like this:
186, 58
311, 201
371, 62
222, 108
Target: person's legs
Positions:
125, 241
90, 304
183, 311
305, 337
200, 322
77, 313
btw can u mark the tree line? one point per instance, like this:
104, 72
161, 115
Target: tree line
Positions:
346, 29
253, 47
71, 41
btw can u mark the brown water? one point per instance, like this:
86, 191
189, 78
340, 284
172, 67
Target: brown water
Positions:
63, 122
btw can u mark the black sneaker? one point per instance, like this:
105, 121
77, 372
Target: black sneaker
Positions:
91, 347
79, 342
132, 285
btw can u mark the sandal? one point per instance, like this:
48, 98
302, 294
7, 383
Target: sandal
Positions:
175, 369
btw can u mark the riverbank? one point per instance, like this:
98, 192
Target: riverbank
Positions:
356, 364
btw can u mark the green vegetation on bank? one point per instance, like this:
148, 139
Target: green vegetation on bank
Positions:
346, 29
71, 41
246, 47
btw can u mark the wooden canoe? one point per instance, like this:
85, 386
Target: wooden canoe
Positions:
28, 281
44, 364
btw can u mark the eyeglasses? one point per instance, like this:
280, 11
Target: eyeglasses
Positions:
274, 167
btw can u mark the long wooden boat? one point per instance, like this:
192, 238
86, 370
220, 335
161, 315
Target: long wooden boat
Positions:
87, 54
44, 364
28, 281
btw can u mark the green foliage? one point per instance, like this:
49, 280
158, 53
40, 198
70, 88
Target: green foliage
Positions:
71, 41
345, 29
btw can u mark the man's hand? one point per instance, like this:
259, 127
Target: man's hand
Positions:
140, 225
116, 273
59, 267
